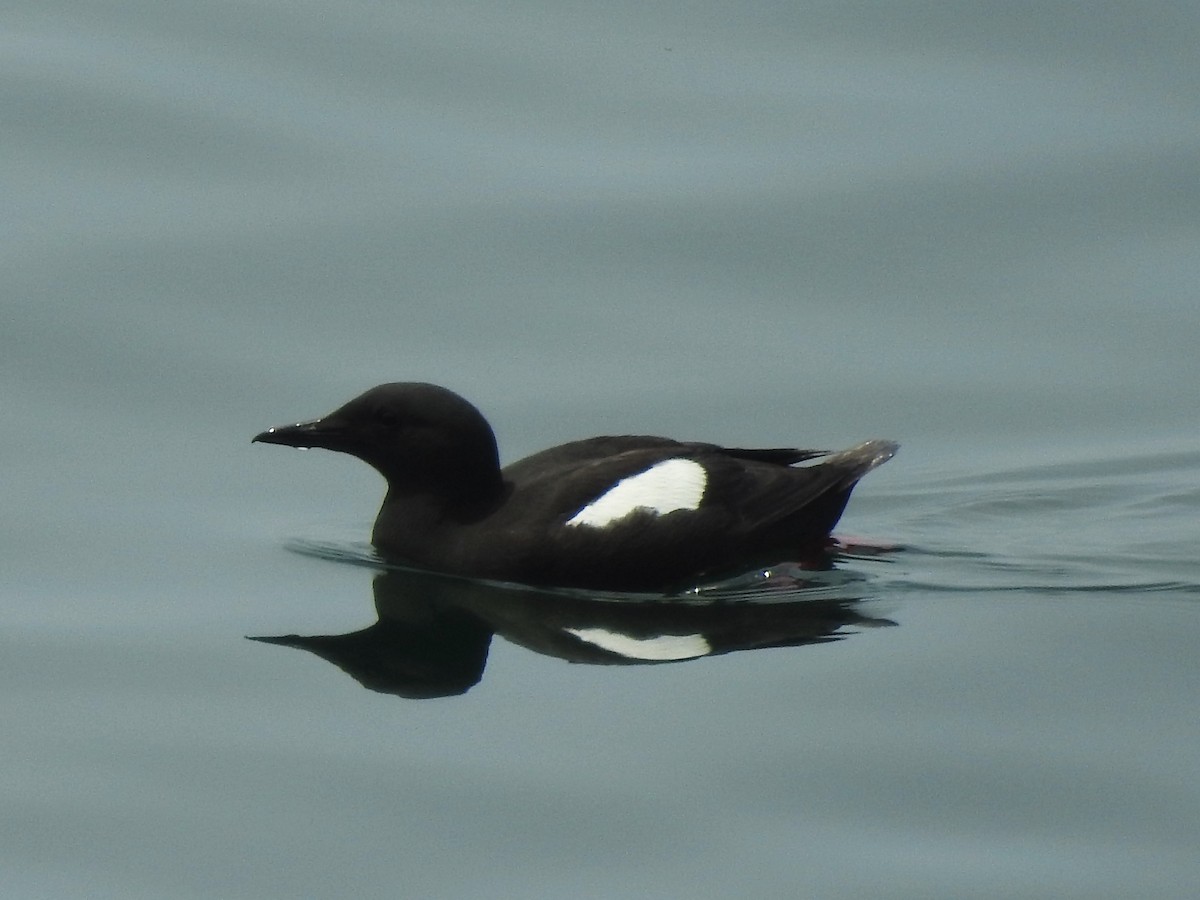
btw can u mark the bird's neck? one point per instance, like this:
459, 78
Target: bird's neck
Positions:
421, 528
457, 499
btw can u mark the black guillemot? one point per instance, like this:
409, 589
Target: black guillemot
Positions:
619, 513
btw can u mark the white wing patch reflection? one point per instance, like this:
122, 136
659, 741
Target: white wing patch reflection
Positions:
659, 648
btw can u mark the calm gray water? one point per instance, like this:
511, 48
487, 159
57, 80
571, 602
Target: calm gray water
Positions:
971, 230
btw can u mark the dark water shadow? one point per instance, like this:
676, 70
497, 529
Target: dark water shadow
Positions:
434, 631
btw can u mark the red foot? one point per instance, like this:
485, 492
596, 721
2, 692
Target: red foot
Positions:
862, 546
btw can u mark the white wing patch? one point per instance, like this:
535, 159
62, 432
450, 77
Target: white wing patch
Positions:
664, 487
660, 648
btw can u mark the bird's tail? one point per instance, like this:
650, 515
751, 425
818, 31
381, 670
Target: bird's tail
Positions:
860, 459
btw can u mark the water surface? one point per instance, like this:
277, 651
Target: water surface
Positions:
972, 232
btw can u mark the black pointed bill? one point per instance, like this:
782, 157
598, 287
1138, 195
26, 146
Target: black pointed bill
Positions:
318, 433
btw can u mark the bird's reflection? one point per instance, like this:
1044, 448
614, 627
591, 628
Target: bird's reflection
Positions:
434, 631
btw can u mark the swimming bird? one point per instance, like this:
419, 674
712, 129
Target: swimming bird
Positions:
620, 513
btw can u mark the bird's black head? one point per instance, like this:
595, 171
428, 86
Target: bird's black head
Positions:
420, 437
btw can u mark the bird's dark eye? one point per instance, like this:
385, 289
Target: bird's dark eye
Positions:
388, 418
